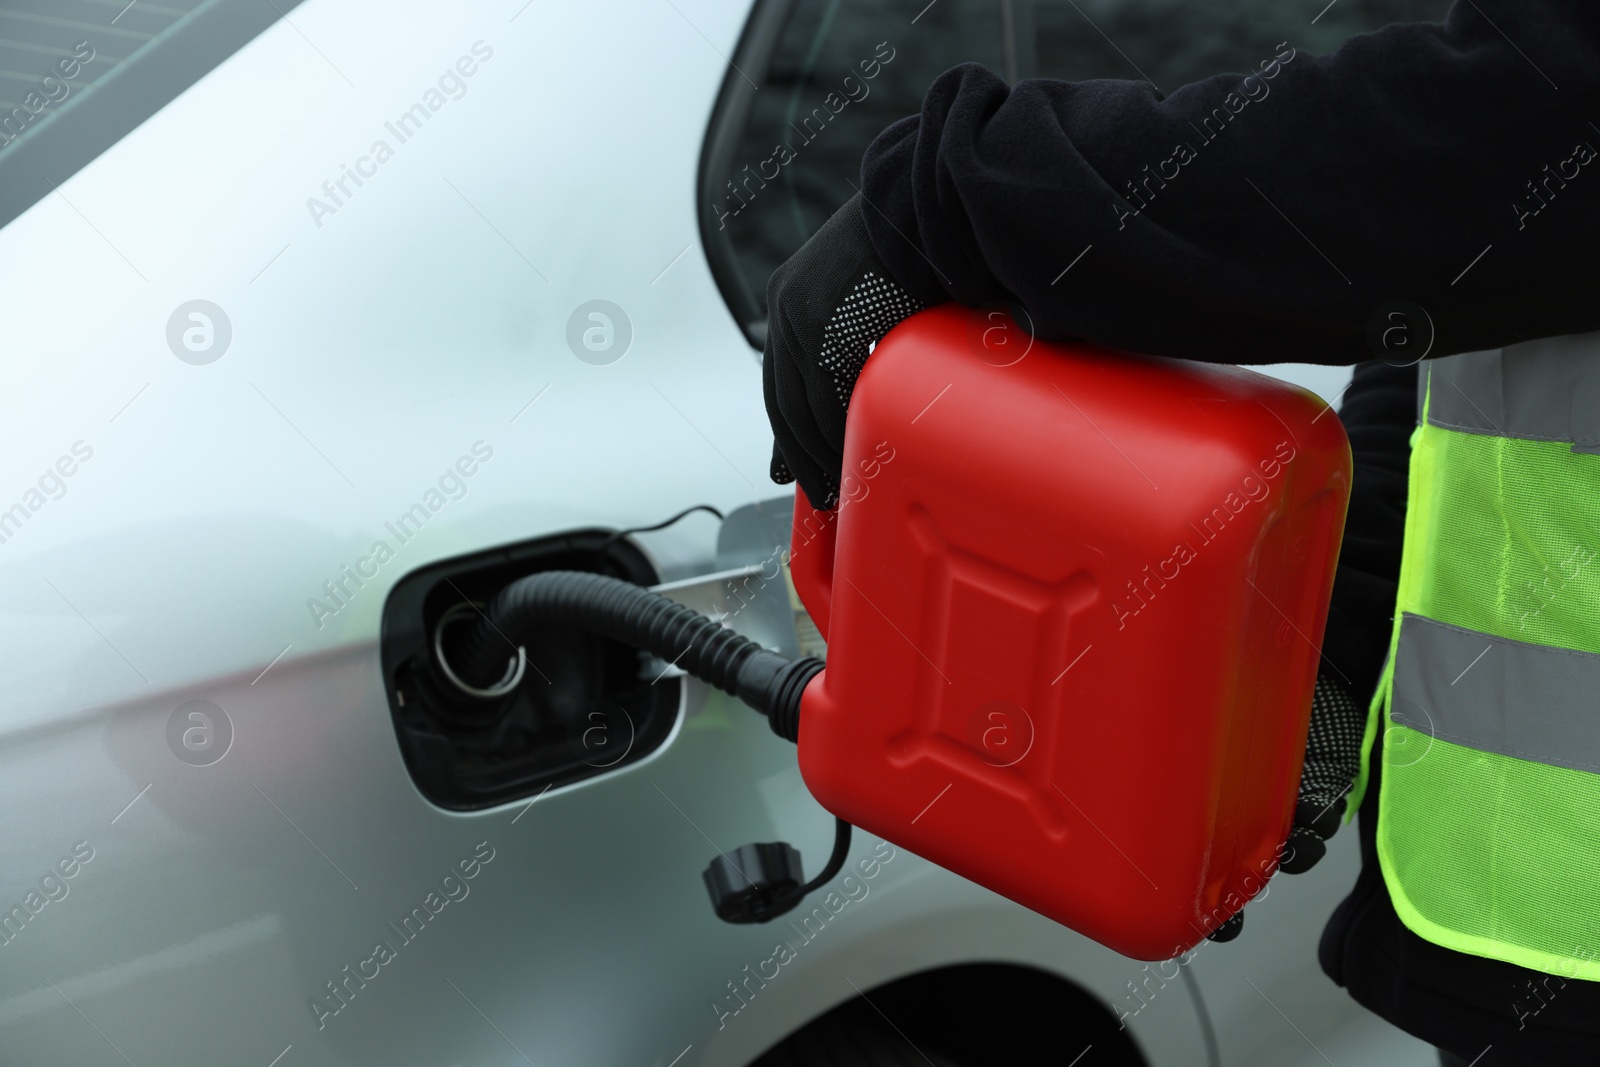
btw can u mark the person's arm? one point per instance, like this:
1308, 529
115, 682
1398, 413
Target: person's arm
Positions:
1267, 217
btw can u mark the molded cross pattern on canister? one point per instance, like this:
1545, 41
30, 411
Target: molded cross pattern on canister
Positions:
1074, 604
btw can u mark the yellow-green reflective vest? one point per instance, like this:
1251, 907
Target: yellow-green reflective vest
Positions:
1489, 806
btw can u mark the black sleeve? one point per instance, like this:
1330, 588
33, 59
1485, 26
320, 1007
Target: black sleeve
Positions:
1379, 412
1267, 217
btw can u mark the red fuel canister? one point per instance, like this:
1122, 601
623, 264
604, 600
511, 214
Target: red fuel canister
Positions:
1074, 603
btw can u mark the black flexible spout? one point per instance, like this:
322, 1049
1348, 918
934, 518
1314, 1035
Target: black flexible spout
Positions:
771, 683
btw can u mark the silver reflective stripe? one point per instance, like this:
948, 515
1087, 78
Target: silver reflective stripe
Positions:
1533, 702
1422, 389
1546, 390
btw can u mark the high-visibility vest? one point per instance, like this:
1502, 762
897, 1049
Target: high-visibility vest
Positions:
1489, 805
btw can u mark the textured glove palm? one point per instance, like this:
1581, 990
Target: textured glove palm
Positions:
1333, 756
827, 305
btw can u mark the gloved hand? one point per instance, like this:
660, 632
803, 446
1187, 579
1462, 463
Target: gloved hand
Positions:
826, 306
1333, 756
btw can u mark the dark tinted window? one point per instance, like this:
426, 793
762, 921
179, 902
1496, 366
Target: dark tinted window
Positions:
1173, 43
839, 74
832, 74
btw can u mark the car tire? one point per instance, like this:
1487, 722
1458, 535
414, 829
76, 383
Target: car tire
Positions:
849, 1040
966, 1015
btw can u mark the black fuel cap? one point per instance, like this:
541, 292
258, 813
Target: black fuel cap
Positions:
755, 883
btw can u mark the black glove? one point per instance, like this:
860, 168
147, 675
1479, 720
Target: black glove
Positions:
1333, 756
826, 306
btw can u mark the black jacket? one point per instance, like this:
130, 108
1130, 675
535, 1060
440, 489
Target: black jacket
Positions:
1266, 217
1279, 216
